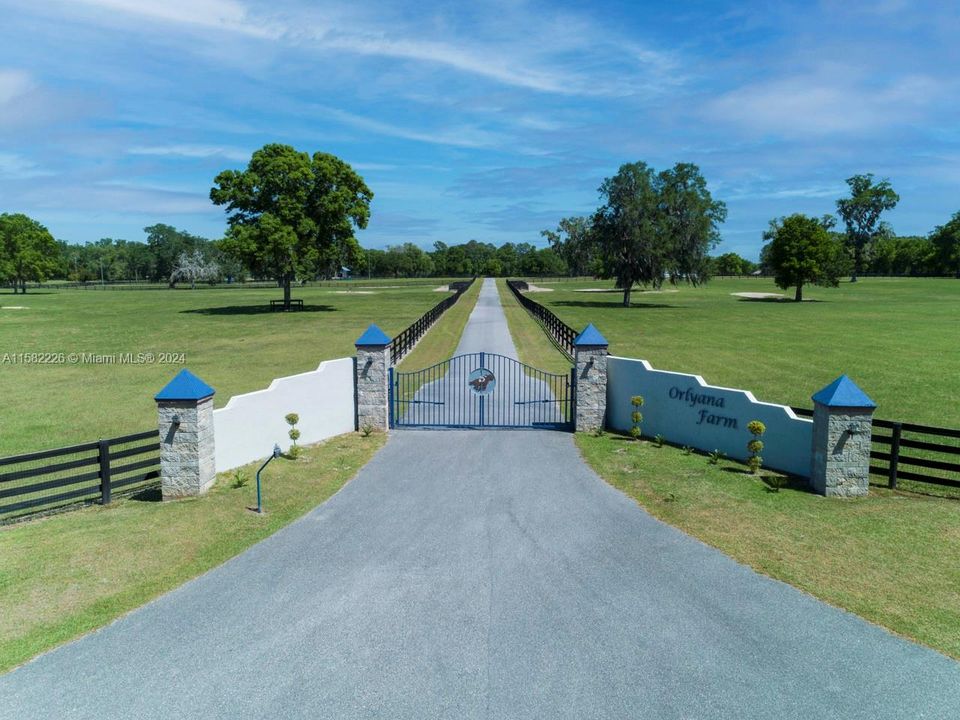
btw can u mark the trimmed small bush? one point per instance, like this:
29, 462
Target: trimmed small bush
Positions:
636, 417
755, 445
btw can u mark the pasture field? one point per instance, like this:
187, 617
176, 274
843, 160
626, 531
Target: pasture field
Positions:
897, 338
227, 336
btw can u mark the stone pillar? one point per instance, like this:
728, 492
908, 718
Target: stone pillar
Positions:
590, 360
372, 371
842, 424
185, 411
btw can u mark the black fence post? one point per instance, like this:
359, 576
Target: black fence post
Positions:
103, 448
895, 454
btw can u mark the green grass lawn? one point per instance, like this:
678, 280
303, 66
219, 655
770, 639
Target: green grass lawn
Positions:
899, 339
892, 558
65, 575
228, 337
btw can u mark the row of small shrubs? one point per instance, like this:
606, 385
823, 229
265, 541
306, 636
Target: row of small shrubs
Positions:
754, 445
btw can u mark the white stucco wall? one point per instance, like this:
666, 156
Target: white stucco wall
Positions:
681, 407
248, 426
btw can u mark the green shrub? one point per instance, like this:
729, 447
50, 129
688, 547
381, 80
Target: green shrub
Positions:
636, 417
240, 479
716, 456
658, 440
366, 430
292, 420
755, 445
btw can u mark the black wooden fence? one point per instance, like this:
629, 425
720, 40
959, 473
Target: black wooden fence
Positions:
404, 342
79, 474
925, 452
558, 331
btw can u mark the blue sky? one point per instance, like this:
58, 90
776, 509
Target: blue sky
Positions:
486, 120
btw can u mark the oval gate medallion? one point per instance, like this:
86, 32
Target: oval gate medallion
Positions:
481, 381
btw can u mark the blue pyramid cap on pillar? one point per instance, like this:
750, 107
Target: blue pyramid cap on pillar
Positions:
590, 336
373, 336
185, 386
843, 392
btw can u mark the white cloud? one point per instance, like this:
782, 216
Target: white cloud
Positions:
832, 100
526, 50
192, 151
213, 14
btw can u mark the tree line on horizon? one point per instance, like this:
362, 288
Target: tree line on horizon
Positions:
292, 217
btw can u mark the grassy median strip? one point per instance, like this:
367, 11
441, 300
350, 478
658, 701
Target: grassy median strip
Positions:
65, 575
892, 558
532, 343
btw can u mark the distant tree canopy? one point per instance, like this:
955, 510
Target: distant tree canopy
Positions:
945, 240
574, 242
732, 264
861, 214
802, 250
656, 226
292, 214
28, 251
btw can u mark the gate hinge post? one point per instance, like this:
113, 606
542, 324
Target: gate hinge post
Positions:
372, 379
590, 380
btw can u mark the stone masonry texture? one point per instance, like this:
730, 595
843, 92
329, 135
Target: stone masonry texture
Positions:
187, 466
841, 459
373, 365
591, 364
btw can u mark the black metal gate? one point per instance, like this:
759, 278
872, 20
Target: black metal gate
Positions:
481, 390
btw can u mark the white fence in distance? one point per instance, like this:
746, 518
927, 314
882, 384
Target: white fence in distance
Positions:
246, 428
687, 411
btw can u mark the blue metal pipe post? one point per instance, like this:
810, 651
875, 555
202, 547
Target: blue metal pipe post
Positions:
276, 454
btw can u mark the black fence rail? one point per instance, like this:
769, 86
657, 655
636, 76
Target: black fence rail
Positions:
925, 451
405, 341
558, 331
78, 475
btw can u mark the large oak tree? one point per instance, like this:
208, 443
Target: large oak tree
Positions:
292, 214
27, 251
656, 226
861, 214
800, 251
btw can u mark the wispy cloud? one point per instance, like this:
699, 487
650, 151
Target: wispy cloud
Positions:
191, 151
210, 14
467, 136
832, 100
16, 167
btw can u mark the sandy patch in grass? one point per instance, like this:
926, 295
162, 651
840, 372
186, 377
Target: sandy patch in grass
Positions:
536, 288
616, 290
378, 287
14, 307
757, 296
442, 288
353, 292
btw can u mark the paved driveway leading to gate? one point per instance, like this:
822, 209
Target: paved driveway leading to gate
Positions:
470, 574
